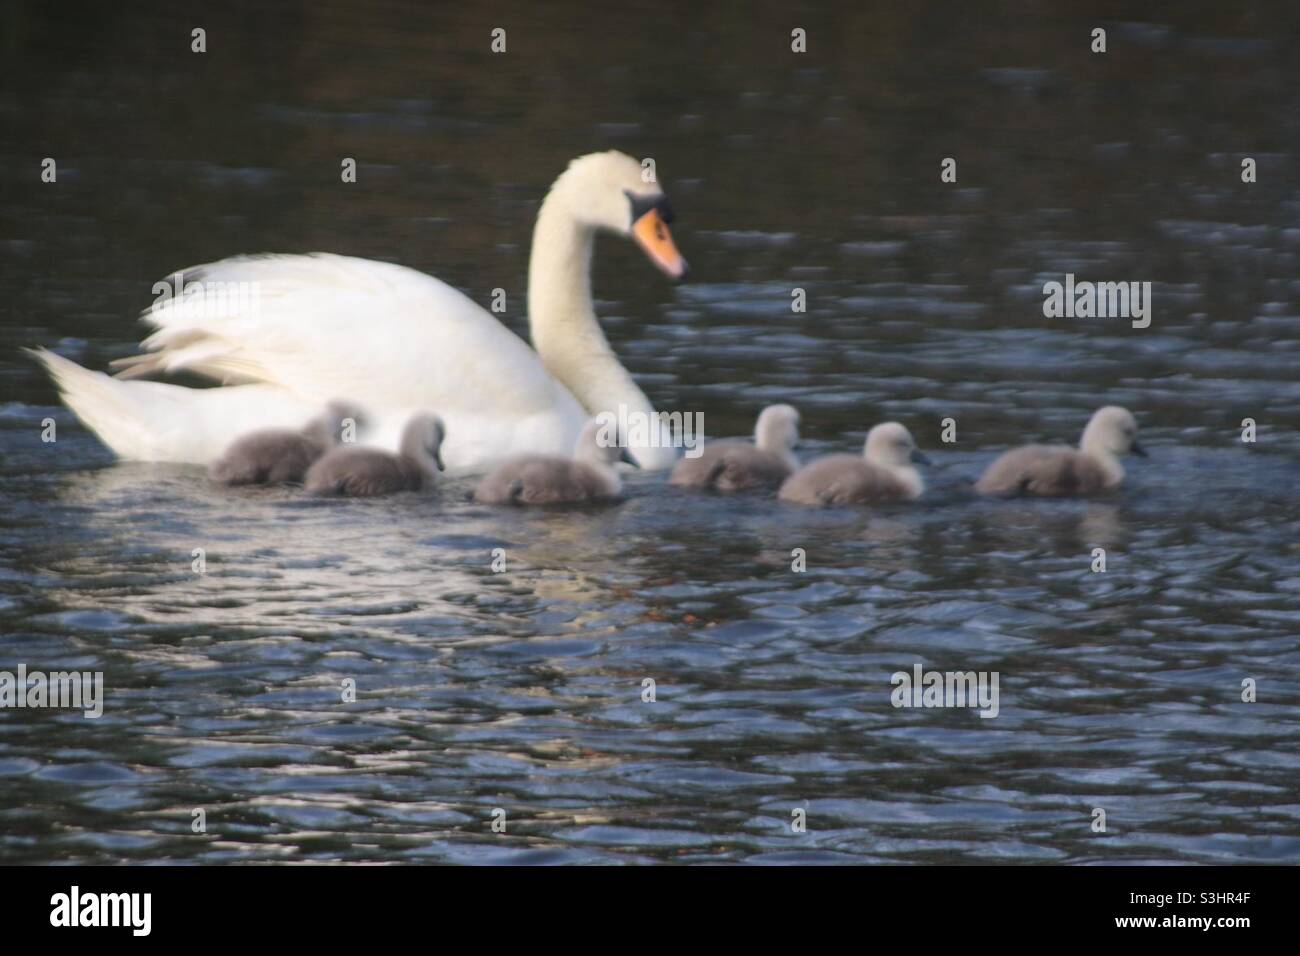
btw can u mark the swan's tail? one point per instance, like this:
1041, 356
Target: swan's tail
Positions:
109, 408
154, 421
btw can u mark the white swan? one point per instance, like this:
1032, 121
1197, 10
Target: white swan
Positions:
313, 327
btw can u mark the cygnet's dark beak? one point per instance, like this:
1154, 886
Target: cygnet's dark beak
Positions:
1137, 449
437, 460
919, 457
626, 455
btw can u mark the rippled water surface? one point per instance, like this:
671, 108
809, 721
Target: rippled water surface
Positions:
522, 690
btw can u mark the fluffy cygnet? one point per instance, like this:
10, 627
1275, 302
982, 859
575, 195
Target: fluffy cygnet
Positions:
883, 472
590, 475
272, 456
354, 472
1059, 470
737, 465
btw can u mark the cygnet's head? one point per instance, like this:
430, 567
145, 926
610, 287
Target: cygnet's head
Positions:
777, 429
599, 445
423, 436
610, 191
1112, 431
890, 445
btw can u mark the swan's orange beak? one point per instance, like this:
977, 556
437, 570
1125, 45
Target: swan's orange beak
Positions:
652, 235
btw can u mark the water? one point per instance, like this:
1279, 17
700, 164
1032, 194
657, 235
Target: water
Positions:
522, 690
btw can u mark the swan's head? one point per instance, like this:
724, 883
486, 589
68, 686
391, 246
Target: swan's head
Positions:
610, 191
599, 444
777, 429
1112, 431
890, 445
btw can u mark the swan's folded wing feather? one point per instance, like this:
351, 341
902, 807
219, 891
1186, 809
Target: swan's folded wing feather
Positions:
325, 326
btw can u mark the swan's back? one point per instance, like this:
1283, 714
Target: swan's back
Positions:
268, 456
730, 466
352, 323
843, 480
537, 480
362, 473
1044, 470
391, 338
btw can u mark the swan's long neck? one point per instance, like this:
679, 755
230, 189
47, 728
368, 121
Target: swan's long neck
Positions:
562, 320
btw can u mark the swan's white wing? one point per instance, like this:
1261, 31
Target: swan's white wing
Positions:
324, 326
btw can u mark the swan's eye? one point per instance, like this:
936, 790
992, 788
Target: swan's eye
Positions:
643, 204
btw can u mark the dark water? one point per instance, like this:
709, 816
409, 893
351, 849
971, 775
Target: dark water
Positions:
522, 690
